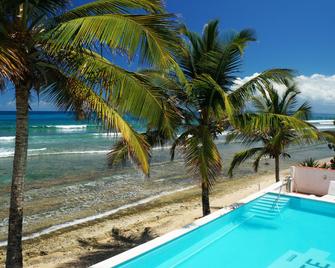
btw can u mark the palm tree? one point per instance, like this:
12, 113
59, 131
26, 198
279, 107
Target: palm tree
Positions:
275, 136
47, 48
209, 100
212, 62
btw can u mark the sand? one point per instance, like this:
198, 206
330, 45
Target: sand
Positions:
89, 243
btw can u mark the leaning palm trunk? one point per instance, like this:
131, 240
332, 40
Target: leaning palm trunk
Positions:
14, 247
277, 168
205, 199
60, 52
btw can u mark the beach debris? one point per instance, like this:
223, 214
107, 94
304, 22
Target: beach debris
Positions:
43, 253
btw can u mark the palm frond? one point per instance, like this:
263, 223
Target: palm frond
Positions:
303, 112
260, 82
242, 38
12, 65
258, 103
180, 141
194, 44
210, 36
224, 63
72, 94
185, 58
101, 7
242, 156
289, 99
128, 91
121, 151
152, 37
269, 121
202, 158
205, 85
258, 158
119, 154
48, 8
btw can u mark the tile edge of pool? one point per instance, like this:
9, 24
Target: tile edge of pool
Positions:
143, 248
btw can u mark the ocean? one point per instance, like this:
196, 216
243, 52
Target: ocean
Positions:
68, 177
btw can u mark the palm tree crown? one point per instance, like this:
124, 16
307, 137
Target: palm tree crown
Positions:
60, 53
275, 138
212, 64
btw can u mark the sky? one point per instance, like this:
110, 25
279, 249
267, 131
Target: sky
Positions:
295, 34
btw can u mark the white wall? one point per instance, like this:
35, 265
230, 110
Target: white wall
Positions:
311, 180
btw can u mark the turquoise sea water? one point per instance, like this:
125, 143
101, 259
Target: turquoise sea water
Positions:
60, 145
287, 232
68, 176
54, 139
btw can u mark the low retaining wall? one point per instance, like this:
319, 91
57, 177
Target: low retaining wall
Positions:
310, 180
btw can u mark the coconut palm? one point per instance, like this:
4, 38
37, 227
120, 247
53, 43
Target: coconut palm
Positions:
47, 48
275, 136
211, 63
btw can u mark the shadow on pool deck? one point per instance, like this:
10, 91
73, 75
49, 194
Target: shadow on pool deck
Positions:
101, 251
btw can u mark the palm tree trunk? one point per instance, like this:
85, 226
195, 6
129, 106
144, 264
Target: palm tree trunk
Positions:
14, 246
277, 168
205, 199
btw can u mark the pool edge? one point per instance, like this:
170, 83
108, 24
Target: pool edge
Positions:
141, 249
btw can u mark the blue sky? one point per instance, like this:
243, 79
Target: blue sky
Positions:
297, 34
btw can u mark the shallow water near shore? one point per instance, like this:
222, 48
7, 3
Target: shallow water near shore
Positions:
68, 177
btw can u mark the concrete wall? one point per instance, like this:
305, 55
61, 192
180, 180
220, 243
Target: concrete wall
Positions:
311, 180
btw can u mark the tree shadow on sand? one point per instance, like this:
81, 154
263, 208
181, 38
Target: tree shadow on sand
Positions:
118, 243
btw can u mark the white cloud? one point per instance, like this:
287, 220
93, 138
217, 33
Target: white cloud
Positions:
317, 89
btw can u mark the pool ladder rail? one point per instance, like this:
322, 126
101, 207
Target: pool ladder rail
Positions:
268, 206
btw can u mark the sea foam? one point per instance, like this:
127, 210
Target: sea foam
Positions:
10, 153
7, 139
321, 122
67, 126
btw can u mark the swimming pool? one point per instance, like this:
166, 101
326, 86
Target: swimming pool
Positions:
271, 231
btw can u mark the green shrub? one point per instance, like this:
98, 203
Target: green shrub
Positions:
310, 162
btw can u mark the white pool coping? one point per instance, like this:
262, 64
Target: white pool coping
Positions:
326, 199
136, 251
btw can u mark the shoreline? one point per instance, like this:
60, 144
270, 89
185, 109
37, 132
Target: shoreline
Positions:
77, 193
93, 218
87, 243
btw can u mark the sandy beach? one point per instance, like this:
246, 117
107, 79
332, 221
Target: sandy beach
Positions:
89, 243
82, 245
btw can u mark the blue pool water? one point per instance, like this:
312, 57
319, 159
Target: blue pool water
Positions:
284, 233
